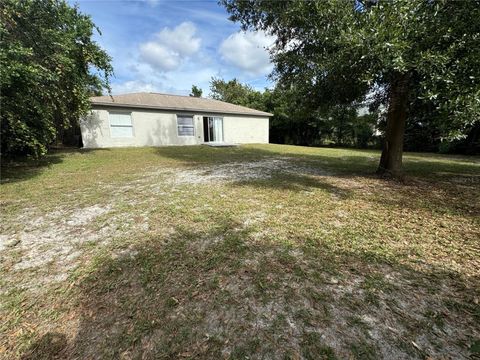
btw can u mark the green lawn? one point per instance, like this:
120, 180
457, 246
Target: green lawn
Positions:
262, 251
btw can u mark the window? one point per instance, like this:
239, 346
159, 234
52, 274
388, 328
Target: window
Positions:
120, 124
185, 125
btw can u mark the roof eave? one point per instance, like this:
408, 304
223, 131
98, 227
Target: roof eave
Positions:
152, 107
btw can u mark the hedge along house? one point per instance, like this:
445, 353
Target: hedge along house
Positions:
152, 119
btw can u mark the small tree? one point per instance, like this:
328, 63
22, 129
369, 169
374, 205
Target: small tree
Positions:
49, 67
196, 91
232, 91
337, 52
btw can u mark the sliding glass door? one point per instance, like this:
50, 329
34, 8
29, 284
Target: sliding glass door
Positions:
217, 129
212, 129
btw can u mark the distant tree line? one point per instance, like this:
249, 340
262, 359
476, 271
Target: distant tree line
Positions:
419, 58
359, 125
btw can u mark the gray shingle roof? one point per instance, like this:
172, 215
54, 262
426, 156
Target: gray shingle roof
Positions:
174, 102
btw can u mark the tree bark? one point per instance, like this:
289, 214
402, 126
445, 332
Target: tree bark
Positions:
391, 159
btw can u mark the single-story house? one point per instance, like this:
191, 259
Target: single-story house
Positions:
153, 119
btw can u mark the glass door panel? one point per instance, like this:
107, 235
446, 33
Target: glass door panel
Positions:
213, 129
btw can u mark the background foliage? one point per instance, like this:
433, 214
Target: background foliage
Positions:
357, 125
49, 67
335, 54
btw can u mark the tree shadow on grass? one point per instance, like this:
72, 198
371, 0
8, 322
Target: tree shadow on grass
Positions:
433, 185
453, 192
49, 346
22, 169
227, 293
435, 198
296, 182
204, 155
427, 166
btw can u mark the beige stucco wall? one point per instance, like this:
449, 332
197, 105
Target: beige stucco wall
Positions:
245, 130
157, 128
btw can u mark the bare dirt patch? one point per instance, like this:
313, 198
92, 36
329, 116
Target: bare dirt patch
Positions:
235, 171
48, 246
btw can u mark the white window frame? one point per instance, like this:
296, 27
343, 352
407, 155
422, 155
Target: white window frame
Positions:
185, 126
129, 126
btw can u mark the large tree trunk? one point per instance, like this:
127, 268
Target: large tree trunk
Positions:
391, 159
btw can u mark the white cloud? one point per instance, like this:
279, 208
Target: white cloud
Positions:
181, 39
175, 58
159, 56
248, 51
174, 82
170, 47
133, 86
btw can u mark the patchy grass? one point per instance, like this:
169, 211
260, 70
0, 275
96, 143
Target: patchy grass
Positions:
252, 252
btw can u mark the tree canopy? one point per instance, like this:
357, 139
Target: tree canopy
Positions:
196, 91
50, 65
292, 123
233, 91
405, 51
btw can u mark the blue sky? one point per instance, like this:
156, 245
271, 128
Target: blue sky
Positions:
166, 45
